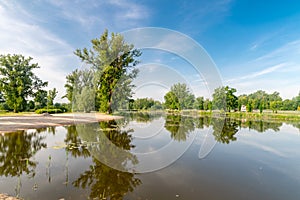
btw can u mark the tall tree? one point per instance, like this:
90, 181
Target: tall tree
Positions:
224, 98
171, 101
114, 63
180, 92
199, 103
51, 96
40, 99
72, 79
17, 80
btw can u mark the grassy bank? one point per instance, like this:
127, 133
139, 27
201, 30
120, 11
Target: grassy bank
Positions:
266, 115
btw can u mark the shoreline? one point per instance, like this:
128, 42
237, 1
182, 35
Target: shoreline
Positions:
15, 123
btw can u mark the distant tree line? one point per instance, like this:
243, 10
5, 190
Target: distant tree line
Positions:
179, 97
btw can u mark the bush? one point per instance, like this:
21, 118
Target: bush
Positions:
50, 111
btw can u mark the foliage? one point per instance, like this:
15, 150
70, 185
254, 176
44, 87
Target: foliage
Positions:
40, 99
17, 151
224, 130
171, 101
144, 103
207, 105
18, 82
51, 96
179, 97
113, 63
224, 99
179, 126
50, 111
199, 103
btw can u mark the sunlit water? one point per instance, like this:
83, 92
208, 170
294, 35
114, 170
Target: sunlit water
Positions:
251, 160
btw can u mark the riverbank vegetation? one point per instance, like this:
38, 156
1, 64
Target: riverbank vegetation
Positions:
105, 85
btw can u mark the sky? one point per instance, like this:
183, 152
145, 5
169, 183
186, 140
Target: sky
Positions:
255, 45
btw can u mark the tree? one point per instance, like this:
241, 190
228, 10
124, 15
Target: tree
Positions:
40, 99
207, 105
219, 99
72, 79
224, 98
242, 100
17, 80
171, 101
113, 62
143, 103
51, 96
179, 97
199, 103
275, 105
185, 97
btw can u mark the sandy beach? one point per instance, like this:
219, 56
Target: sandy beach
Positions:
33, 121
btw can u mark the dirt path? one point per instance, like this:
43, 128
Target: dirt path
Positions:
33, 121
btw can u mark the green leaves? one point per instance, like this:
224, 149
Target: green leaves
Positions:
17, 80
179, 97
112, 61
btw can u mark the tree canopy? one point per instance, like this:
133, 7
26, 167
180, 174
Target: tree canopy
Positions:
112, 63
179, 97
17, 81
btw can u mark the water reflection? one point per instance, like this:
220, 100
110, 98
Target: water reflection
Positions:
92, 143
105, 182
179, 126
17, 151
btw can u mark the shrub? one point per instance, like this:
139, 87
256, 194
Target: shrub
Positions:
50, 111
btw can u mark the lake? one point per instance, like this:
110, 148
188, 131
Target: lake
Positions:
154, 156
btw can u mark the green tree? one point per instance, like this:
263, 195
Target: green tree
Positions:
171, 101
288, 104
185, 97
114, 64
199, 103
40, 99
242, 100
17, 80
143, 103
224, 99
207, 105
275, 105
51, 96
72, 81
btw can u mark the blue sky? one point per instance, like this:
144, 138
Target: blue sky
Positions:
255, 44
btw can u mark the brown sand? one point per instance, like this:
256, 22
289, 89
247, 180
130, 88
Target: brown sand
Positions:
33, 121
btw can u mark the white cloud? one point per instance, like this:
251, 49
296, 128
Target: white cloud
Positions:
96, 14
277, 70
21, 34
259, 73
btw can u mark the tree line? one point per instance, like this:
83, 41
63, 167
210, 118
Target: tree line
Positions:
224, 98
105, 85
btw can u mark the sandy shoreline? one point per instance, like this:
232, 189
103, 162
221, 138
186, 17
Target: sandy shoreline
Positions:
33, 121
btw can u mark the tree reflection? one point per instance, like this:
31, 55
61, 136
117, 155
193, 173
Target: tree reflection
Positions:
141, 116
179, 126
16, 152
224, 130
74, 143
202, 122
105, 182
261, 126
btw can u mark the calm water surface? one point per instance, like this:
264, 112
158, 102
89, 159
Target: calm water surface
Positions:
251, 160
